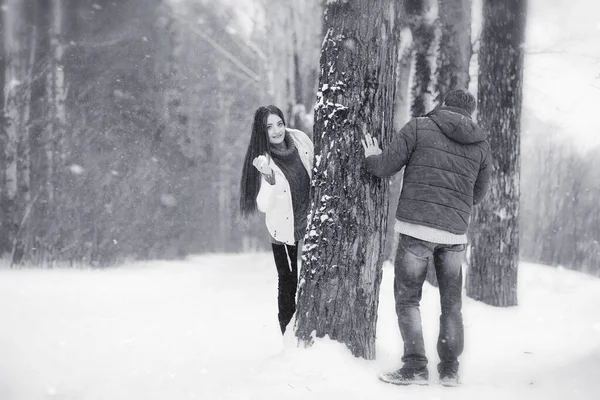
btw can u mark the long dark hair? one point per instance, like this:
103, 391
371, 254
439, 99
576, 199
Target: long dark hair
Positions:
259, 144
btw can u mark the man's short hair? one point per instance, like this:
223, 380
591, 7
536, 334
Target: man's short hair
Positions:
461, 98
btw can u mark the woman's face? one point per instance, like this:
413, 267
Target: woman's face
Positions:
275, 129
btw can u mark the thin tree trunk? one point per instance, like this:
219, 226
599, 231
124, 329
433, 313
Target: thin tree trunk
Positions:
494, 255
4, 238
223, 186
25, 150
401, 117
24, 197
344, 251
13, 88
55, 90
454, 55
58, 83
423, 32
453, 58
421, 22
38, 140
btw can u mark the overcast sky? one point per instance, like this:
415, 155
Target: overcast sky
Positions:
562, 67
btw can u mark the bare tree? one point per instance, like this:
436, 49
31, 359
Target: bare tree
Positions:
343, 253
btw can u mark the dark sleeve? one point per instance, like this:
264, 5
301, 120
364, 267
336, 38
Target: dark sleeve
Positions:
482, 183
396, 154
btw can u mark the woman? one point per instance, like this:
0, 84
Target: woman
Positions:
276, 181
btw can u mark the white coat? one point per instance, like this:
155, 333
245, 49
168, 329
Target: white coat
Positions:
276, 200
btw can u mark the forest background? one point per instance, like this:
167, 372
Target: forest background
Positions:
125, 124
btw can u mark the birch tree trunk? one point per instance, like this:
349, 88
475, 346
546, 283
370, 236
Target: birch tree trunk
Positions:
494, 237
455, 49
344, 250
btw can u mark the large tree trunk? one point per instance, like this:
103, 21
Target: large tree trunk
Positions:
344, 249
455, 49
494, 254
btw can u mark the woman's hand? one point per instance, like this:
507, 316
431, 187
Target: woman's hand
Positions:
261, 163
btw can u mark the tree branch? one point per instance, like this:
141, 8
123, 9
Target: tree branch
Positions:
234, 60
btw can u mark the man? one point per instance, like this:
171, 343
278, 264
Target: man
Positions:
447, 171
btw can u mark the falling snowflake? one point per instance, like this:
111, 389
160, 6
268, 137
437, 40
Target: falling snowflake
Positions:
76, 169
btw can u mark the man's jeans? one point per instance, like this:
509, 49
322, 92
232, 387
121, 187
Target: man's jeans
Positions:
410, 272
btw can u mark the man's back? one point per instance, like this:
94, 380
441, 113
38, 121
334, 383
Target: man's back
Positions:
446, 158
447, 171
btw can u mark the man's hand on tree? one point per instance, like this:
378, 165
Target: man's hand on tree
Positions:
370, 145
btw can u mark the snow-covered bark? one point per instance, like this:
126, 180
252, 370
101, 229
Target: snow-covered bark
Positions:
344, 249
494, 235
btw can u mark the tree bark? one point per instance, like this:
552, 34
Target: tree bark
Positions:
401, 117
424, 35
455, 49
344, 249
453, 58
223, 182
494, 253
14, 89
39, 143
56, 80
4, 54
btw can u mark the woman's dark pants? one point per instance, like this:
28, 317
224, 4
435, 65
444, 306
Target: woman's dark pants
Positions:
286, 261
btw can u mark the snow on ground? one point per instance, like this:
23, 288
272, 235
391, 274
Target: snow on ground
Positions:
206, 328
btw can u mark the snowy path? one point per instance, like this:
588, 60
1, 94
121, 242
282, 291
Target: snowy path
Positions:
206, 328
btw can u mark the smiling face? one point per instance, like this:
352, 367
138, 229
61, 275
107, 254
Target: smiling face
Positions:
275, 129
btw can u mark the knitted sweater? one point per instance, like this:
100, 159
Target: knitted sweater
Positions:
291, 165
447, 159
